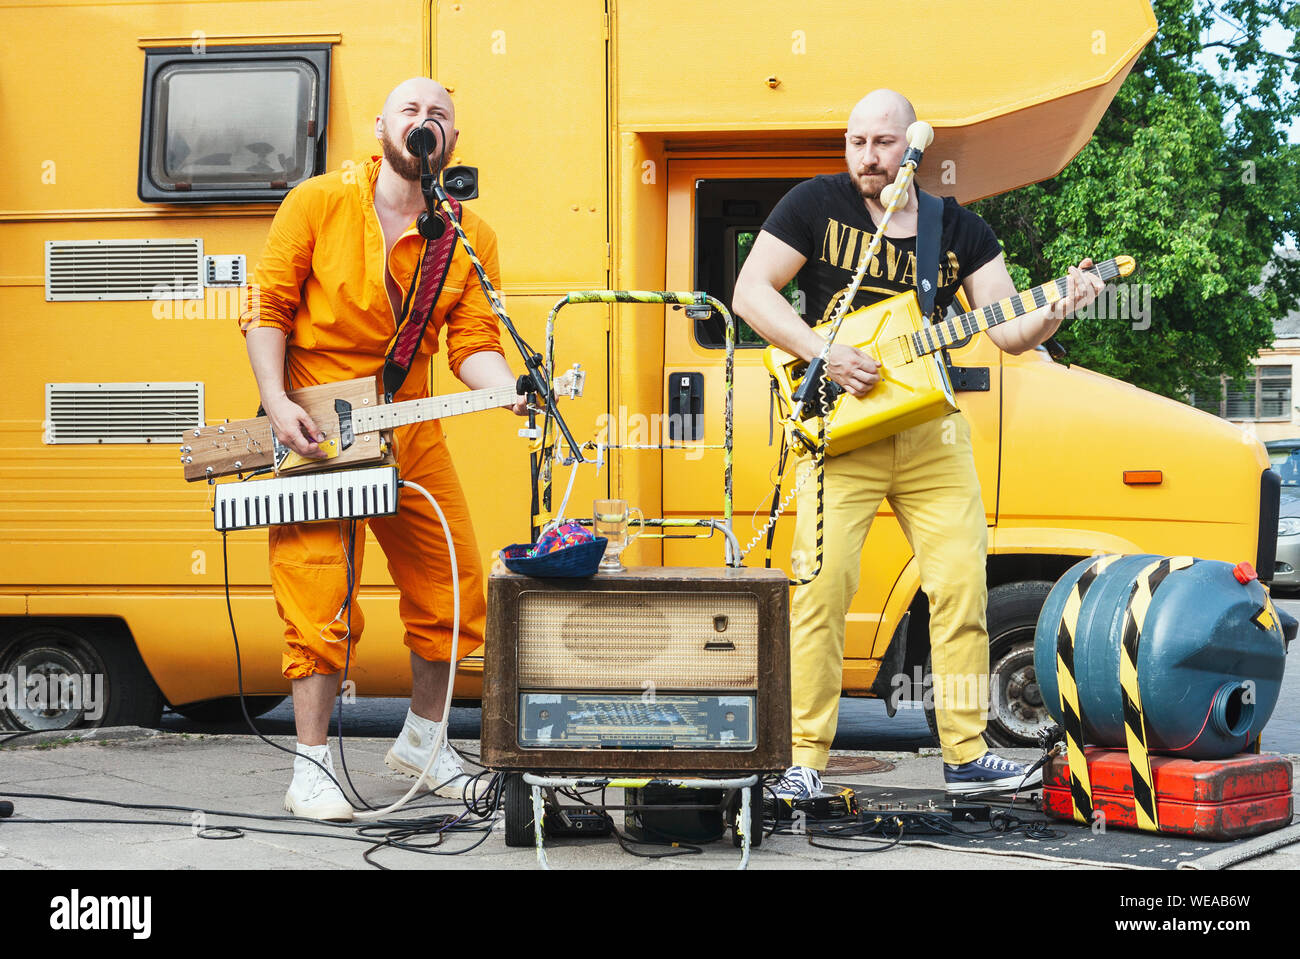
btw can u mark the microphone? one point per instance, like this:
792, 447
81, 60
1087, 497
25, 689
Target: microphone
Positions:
919, 136
421, 141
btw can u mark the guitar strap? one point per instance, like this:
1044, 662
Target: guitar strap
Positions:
929, 228
418, 308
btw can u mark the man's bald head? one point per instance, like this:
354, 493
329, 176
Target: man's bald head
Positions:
882, 108
412, 103
418, 90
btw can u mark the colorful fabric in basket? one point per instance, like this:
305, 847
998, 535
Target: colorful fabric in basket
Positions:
563, 536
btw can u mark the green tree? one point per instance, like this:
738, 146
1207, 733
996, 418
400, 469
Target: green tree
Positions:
1193, 176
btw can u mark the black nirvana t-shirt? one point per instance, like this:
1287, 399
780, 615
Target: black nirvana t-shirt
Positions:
827, 221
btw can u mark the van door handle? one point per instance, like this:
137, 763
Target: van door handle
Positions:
685, 406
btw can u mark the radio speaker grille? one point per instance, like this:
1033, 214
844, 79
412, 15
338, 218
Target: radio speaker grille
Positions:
638, 640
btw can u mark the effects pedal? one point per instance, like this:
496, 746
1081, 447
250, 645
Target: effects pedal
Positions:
833, 802
927, 818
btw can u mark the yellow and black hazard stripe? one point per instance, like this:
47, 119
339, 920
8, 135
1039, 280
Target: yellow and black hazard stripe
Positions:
1068, 689
1147, 582
1266, 619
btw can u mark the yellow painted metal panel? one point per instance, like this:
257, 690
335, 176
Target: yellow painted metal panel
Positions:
528, 80
1012, 87
1068, 411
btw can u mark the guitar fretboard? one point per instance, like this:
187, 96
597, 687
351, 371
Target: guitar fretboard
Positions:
430, 408
931, 339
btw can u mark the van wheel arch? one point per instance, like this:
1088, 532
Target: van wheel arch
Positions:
119, 690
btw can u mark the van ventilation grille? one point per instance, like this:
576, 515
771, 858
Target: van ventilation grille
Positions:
123, 270
121, 412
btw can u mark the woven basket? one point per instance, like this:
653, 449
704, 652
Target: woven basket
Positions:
570, 562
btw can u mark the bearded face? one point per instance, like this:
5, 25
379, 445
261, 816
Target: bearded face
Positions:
404, 164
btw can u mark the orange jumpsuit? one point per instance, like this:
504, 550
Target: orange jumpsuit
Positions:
321, 281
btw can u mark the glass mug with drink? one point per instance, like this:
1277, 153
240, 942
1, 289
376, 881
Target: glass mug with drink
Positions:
610, 521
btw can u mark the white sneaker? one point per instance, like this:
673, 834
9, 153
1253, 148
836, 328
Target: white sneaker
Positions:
410, 753
312, 794
799, 783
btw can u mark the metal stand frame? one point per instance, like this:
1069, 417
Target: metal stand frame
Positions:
698, 306
538, 783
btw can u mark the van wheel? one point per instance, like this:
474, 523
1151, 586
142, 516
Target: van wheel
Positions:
55, 678
1017, 714
226, 709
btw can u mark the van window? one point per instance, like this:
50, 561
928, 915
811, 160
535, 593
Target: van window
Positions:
728, 216
227, 125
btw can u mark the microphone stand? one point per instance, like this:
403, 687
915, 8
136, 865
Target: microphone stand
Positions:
535, 380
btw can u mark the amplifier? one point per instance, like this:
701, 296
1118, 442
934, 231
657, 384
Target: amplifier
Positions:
646, 669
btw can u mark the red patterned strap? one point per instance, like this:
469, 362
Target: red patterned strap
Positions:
428, 282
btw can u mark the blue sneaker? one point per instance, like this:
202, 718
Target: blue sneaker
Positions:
988, 774
798, 783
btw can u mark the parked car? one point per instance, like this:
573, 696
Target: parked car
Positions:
1284, 456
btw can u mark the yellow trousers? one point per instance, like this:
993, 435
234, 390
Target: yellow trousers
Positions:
928, 475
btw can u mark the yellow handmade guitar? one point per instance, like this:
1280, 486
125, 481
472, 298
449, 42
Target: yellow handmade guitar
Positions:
913, 385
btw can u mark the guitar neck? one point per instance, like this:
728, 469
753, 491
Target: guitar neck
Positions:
931, 339
430, 408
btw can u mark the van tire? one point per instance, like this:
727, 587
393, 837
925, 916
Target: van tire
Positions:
130, 696
1016, 710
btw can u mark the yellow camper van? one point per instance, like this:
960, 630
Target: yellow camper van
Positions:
620, 144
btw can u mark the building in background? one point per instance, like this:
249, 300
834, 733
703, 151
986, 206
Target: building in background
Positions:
1264, 403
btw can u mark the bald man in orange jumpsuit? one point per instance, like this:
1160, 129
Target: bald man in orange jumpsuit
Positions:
332, 281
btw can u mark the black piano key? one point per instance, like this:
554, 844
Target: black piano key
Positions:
340, 493
281, 508
315, 495
268, 510
364, 508
352, 510
257, 511
385, 498
223, 515
291, 508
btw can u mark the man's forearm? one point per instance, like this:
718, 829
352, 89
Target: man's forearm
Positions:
266, 356
1028, 332
770, 315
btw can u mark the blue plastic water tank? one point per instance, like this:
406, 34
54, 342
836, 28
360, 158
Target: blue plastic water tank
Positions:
1209, 663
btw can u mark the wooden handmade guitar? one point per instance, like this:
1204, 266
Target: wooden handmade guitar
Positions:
914, 384
356, 422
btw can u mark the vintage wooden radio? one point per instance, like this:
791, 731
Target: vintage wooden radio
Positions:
648, 670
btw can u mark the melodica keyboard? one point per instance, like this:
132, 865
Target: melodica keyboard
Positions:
348, 494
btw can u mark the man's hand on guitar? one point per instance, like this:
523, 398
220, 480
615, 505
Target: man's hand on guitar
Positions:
294, 428
852, 369
1082, 289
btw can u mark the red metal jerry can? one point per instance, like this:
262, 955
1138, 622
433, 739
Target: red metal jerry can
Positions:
1244, 795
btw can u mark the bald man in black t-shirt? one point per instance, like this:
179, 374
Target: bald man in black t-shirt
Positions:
819, 232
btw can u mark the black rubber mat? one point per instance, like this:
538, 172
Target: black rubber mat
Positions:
1021, 829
